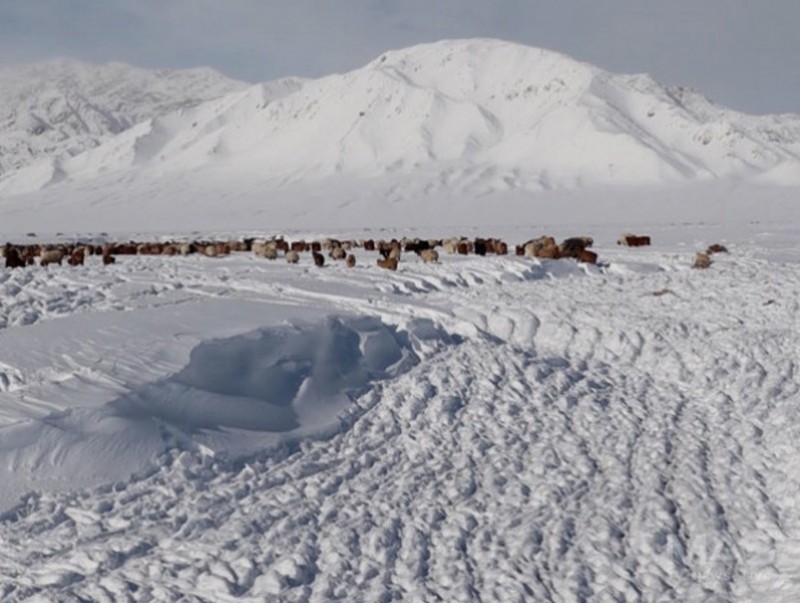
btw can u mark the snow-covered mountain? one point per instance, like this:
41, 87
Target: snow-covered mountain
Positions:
474, 112
63, 107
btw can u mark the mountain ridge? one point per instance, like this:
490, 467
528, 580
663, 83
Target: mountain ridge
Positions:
62, 107
481, 114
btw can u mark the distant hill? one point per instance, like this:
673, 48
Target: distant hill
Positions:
63, 107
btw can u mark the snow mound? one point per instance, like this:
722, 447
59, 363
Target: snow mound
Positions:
235, 397
284, 379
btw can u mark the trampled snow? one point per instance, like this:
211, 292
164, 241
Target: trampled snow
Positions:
479, 429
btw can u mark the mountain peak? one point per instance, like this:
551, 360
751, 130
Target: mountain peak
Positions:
481, 115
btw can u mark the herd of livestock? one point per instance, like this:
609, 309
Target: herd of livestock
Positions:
389, 252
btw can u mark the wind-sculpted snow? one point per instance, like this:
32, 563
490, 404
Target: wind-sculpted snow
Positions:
511, 430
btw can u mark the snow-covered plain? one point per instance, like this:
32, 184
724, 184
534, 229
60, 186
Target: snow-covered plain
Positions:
480, 429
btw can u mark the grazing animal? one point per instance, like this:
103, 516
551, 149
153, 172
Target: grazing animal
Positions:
632, 240
299, 246
369, 245
716, 248
572, 246
450, 245
586, 256
319, 259
429, 255
316, 246
76, 257
51, 256
292, 256
337, 253
13, 257
500, 248
542, 247
701, 260
388, 263
351, 260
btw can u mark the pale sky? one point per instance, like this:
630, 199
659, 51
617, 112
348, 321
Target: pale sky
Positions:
741, 53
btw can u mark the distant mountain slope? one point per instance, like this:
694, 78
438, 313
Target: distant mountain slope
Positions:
64, 107
480, 115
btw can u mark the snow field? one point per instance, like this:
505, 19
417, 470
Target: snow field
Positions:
501, 429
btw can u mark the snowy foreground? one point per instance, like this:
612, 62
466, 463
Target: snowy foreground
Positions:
485, 429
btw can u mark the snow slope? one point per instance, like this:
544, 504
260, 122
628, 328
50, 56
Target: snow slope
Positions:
63, 107
481, 429
481, 115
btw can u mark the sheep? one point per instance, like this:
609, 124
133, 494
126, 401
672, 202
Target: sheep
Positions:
13, 257
351, 260
701, 260
632, 240
716, 248
429, 255
572, 246
292, 256
51, 256
76, 257
319, 259
450, 245
268, 250
542, 247
337, 253
584, 255
107, 257
388, 263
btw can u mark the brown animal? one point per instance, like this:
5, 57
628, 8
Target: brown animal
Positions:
76, 257
107, 257
542, 247
351, 260
716, 248
586, 256
319, 259
701, 260
570, 247
388, 263
632, 240
369, 245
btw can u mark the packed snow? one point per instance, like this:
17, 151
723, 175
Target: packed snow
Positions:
494, 428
